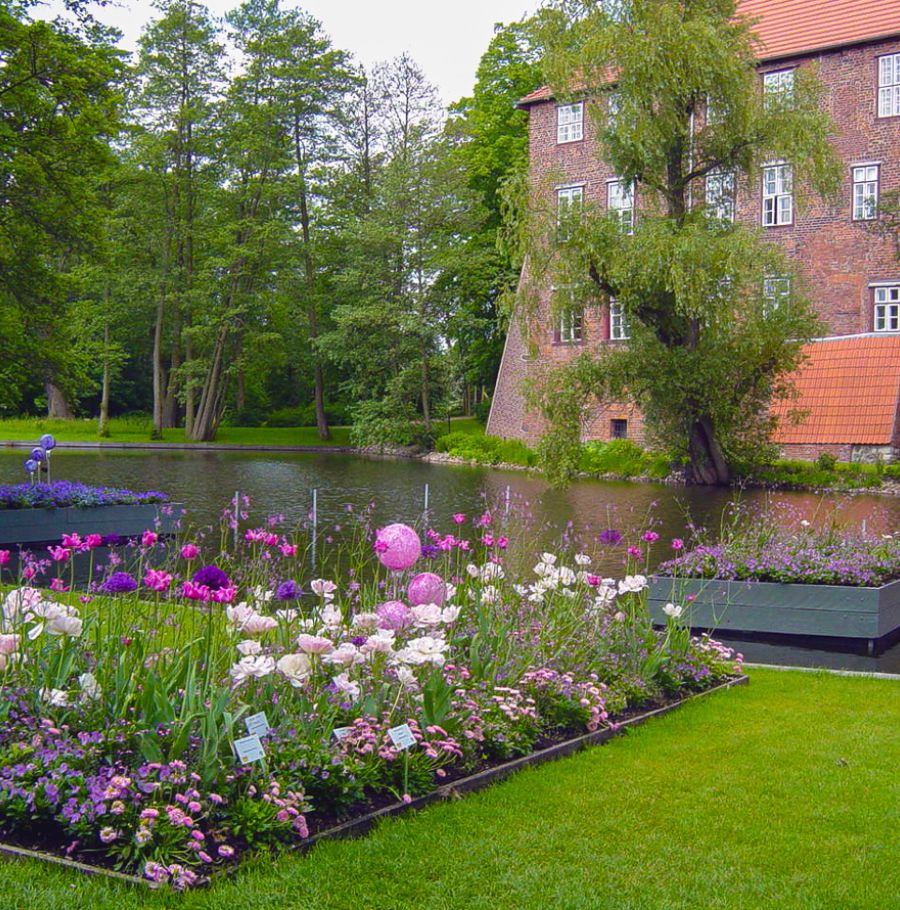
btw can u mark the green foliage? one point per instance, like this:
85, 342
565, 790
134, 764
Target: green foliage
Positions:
378, 423
624, 458
826, 462
304, 416
486, 449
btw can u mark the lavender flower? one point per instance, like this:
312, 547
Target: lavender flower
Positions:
211, 577
288, 590
119, 583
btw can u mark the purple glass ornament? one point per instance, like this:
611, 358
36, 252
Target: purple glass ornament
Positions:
48, 442
427, 588
393, 614
398, 547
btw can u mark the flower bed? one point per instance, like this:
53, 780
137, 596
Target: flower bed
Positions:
65, 494
173, 718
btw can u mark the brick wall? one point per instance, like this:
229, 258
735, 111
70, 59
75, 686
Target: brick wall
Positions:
838, 258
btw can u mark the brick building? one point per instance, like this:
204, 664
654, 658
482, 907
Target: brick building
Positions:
850, 271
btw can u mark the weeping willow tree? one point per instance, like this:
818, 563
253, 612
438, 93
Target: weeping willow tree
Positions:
716, 320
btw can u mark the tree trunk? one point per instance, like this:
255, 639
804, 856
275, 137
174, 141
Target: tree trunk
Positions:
426, 391
708, 466
190, 400
158, 381
206, 421
103, 427
57, 405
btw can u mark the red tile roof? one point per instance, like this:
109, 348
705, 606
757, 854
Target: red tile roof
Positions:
789, 27
850, 388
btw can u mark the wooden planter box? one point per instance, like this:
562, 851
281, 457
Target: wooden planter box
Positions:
781, 609
31, 527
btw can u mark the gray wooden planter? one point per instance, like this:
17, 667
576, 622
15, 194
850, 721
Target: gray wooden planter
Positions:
27, 527
781, 609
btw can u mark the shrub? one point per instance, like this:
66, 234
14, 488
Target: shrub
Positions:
826, 461
304, 416
486, 449
482, 410
624, 457
379, 423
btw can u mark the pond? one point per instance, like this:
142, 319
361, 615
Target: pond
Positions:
284, 483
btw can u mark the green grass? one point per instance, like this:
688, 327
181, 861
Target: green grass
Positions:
784, 794
138, 430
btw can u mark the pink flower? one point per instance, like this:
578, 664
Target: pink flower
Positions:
60, 554
225, 851
4, 557
190, 551
148, 538
223, 595
195, 592
92, 541
57, 584
288, 549
271, 540
502, 542
28, 573
314, 644
593, 580
634, 552
157, 579
72, 540
459, 518
677, 544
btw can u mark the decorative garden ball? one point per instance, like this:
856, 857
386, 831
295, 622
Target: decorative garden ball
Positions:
393, 614
398, 547
427, 588
48, 442
38, 454
31, 465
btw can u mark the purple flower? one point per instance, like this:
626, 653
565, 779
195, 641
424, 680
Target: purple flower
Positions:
211, 577
609, 537
288, 590
119, 583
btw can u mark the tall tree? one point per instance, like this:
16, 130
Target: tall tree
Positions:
678, 99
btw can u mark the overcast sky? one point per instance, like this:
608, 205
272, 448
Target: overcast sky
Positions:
445, 38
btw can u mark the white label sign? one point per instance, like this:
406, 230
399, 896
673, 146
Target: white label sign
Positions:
257, 724
340, 732
402, 737
249, 749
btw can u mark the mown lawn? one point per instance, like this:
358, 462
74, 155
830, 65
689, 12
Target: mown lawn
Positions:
783, 794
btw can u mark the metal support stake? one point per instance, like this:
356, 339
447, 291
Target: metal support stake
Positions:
315, 525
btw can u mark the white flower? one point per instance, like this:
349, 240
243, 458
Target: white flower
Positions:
323, 588
426, 649
491, 571
582, 559
426, 615
489, 595
366, 622
548, 558
672, 610
314, 644
407, 678
449, 615
633, 584
261, 595
65, 624
344, 655
295, 668
449, 592
382, 642
331, 616
22, 600
566, 576
249, 647
238, 614
521, 590
345, 685
288, 615
258, 624
804, 523
246, 667
90, 688
472, 570
57, 698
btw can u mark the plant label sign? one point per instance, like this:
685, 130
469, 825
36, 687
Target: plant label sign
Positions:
402, 737
257, 724
340, 732
249, 749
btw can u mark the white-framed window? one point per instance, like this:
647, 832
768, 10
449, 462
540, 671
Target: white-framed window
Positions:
613, 108
865, 192
887, 309
778, 195
720, 195
570, 122
619, 330
569, 200
776, 292
715, 112
889, 86
778, 87
570, 328
620, 199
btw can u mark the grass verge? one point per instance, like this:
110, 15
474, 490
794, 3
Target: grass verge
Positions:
780, 794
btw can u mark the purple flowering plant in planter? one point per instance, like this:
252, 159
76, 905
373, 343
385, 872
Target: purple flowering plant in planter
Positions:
127, 697
64, 493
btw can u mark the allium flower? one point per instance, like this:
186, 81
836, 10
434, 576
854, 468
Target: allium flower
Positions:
119, 583
393, 614
609, 537
288, 590
295, 668
211, 577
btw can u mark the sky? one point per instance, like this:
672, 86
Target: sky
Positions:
446, 39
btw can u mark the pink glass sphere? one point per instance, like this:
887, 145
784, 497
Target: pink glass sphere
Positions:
427, 588
398, 546
393, 614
